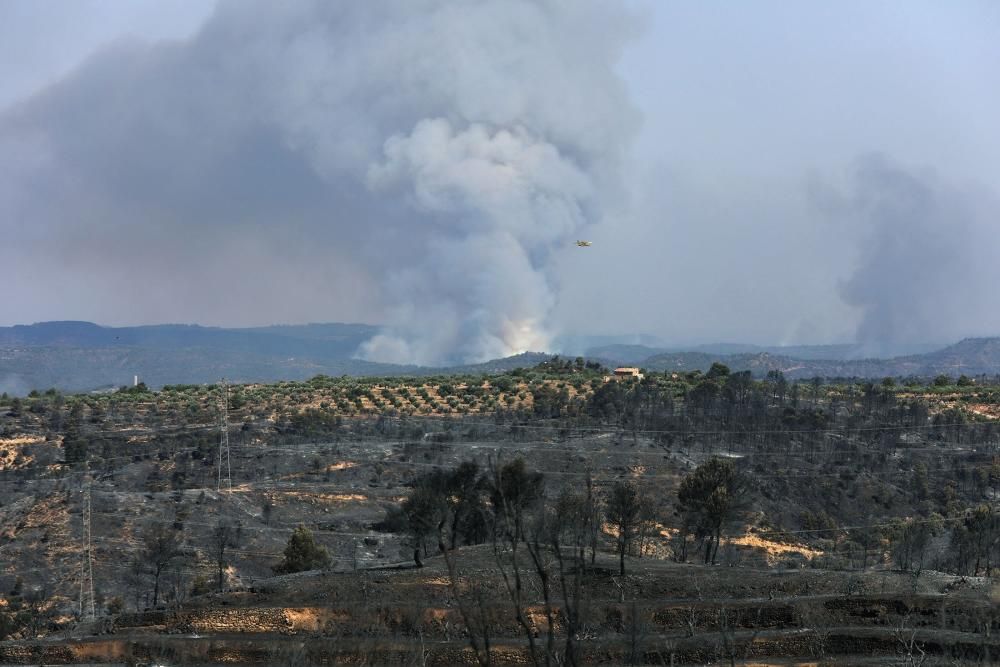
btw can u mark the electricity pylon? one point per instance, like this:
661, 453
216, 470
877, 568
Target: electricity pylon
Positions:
87, 564
224, 438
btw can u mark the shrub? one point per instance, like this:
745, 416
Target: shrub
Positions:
302, 553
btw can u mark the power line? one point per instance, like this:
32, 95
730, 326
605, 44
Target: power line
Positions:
516, 448
619, 429
744, 432
225, 449
839, 529
284, 527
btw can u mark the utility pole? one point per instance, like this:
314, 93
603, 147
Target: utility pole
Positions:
87, 565
224, 438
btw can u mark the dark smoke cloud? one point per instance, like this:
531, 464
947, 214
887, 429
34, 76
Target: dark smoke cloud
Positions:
415, 162
926, 268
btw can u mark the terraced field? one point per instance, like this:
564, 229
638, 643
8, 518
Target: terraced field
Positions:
660, 614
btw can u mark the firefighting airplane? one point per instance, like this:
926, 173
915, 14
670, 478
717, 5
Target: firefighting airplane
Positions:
584, 244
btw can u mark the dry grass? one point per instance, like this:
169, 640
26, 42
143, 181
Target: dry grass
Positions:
773, 550
311, 619
12, 454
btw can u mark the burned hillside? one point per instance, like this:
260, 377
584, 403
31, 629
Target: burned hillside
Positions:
539, 513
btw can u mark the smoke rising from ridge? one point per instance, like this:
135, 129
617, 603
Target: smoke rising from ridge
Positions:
414, 161
501, 201
426, 165
926, 269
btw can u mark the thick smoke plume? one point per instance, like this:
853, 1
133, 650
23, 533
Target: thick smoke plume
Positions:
414, 160
926, 269
502, 199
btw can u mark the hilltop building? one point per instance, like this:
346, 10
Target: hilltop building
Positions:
625, 373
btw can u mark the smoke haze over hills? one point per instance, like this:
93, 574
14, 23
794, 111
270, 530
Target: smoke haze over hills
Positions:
428, 165
928, 264
81, 356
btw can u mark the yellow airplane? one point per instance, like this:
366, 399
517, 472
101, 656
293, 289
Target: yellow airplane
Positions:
584, 244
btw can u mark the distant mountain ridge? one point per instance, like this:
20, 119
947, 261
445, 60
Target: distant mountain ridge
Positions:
328, 341
81, 356
971, 356
842, 351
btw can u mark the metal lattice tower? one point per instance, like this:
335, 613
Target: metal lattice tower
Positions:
87, 564
224, 437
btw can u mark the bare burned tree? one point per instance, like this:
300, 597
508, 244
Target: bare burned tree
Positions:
556, 539
729, 622
514, 491
475, 615
909, 649
576, 516
135, 580
162, 547
636, 633
225, 535
623, 509
813, 620
538, 542
540, 551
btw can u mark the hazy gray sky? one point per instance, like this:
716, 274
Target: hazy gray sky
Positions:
748, 108
762, 172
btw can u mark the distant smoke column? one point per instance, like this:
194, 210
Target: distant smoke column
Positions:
523, 127
925, 271
500, 201
446, 148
